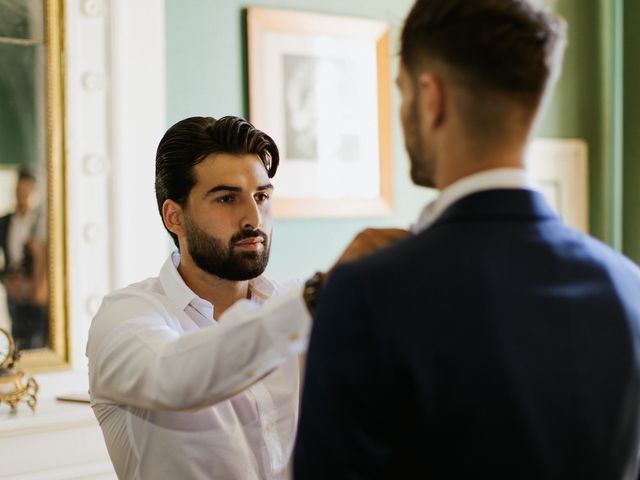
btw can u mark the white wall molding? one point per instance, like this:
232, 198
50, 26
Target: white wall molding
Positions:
115, 117
89, 99
138, 122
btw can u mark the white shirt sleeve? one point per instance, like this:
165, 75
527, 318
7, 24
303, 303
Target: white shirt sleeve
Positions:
142, 361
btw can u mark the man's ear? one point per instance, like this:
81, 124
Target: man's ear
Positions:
432, 98
173, 217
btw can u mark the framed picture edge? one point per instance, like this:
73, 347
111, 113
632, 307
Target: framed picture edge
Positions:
565, 162
259, 21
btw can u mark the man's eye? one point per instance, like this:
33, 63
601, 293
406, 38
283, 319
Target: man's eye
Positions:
225, 199
262, 197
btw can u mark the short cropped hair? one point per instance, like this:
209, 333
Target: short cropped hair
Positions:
190, 141
25, 175
501, 46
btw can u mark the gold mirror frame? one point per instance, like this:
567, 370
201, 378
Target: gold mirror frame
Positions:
57, 356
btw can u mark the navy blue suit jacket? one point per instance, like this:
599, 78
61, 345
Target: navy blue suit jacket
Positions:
5, 221
498, 343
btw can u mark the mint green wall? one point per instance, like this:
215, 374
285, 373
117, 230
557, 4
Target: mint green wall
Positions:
206, 76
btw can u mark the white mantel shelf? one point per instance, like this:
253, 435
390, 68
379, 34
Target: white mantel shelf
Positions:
49, 415
60, 440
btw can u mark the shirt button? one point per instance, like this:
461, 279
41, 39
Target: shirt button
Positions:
268, 427
293, 337
249, 374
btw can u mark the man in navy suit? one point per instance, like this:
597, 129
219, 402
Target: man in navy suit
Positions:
495, 342
22, 266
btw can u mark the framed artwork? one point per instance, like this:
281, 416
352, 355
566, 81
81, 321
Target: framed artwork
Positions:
560, 168
320, 86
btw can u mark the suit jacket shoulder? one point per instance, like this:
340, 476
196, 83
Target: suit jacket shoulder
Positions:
4, 236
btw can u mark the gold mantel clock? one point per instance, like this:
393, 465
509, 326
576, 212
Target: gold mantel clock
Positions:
13, 385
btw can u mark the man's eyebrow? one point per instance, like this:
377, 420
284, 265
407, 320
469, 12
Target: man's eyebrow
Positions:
229, 188
223, 188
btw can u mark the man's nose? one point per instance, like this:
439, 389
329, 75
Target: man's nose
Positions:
251, 219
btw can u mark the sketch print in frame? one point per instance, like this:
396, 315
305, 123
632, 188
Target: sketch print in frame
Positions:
320, 86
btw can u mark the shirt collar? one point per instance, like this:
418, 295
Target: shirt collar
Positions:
173, 284
179, 292
498, 178
261, 288
26, 217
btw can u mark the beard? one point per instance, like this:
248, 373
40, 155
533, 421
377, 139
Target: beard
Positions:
216, 258
419, 149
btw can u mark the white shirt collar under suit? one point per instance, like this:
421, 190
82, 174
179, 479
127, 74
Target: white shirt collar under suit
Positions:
487, 180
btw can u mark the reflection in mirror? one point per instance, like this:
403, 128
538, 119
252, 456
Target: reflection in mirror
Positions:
23, 239
30, 171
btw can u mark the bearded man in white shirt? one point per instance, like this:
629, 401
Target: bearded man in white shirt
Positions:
192, 375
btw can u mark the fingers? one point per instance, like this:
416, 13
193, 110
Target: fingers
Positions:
371, 240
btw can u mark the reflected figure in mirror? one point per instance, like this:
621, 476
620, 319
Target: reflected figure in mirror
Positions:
23, 266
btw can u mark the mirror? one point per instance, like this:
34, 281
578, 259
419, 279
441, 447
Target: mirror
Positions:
32, 259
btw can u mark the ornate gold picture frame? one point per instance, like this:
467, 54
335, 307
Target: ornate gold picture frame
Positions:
46, 23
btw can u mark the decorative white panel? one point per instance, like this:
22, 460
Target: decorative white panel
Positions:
115, 119
89, 147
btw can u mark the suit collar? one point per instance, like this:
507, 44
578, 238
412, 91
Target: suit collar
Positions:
492, 179
497, 205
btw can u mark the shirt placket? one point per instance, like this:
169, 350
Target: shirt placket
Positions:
266, 415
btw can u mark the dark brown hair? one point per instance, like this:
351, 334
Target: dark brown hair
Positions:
498, 46
25, 174
191, 140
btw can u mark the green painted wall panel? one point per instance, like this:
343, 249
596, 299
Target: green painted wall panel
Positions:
21, 83
19, 113
578, 104
631, 239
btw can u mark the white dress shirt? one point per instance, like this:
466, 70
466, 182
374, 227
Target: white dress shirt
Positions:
182, 396
497, 178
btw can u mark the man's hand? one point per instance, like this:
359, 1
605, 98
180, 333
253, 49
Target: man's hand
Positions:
369, 241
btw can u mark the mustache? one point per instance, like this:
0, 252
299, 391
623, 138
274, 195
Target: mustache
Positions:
248, 234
